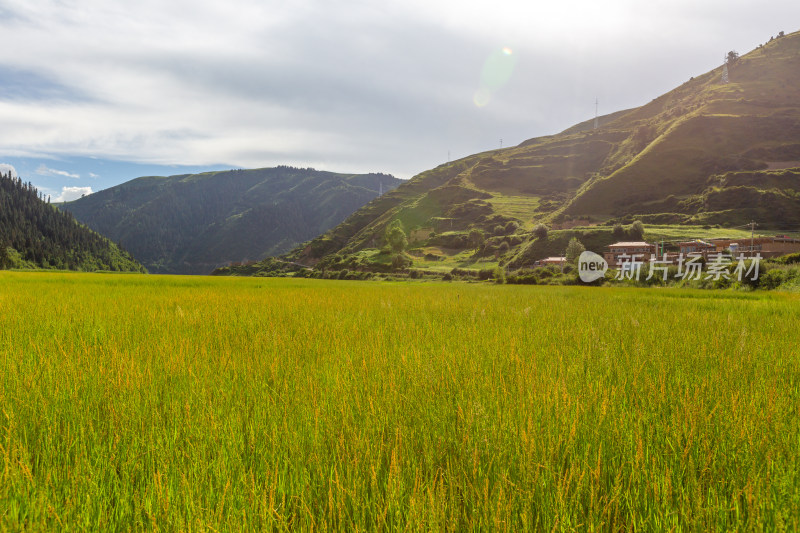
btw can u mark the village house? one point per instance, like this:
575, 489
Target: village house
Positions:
624, 251
556, 261
765, 246
697, 247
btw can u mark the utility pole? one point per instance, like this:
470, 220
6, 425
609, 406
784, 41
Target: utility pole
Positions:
725, 71
501, 144
752, 237
596, 107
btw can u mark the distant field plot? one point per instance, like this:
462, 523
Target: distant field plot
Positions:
186, 403
521, 207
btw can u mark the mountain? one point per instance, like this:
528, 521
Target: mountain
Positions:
34, 234
193, 223
710, 152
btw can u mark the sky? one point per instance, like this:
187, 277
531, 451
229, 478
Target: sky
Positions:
97, 92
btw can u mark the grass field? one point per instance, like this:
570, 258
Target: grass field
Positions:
521, 207
179, 403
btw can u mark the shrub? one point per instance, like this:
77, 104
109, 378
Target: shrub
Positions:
476, 237
574, 250
522, 277
396, 237
540, 231
400, 261
788, 259
637, 229
511, 227
485, 273
771, 279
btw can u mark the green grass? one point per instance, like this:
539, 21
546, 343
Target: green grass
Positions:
519, 207
677, 232
187, 403
450, 259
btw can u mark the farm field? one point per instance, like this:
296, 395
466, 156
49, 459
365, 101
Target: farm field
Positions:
133, 402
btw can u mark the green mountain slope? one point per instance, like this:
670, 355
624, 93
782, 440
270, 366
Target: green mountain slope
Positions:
705, 153
34, 234
191, 224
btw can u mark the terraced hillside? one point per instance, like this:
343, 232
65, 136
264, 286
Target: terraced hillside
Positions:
706, 153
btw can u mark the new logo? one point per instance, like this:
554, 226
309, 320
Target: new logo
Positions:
591, 267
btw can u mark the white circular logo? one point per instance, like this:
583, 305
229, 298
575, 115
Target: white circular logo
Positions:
591, 267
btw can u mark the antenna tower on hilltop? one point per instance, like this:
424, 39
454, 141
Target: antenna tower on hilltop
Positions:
596, 106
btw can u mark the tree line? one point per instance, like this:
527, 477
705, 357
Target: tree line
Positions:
35, 234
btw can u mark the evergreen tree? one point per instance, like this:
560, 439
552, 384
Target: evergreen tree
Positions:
48, 238
5, 260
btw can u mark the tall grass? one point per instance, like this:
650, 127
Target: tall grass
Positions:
146, 402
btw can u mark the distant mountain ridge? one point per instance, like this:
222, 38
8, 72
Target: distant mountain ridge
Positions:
193, 223
705, 153
34, 234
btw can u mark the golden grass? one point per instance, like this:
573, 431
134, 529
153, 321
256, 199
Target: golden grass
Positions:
179, 403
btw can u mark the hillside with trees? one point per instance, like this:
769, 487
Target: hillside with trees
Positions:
34, 234
194, 223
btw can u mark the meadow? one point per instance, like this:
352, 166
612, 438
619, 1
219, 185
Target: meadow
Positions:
132, 402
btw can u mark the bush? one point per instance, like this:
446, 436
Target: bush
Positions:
540, 231
523, 277
400, 261
396, 237
788, 259
574, 250
771, 279
637, 229
476, 237
485, 274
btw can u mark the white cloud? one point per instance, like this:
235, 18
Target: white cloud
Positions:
72, 193
5, 168
42, 170
344, 85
